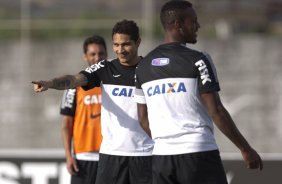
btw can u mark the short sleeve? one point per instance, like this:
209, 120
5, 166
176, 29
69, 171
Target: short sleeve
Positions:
68, 104
207, 76
139, 95
92, 77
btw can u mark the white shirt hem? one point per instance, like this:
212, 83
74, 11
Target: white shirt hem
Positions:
87, 156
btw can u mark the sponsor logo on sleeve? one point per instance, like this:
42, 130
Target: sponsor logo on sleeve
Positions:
95, 67
204, 72
160, 61
69, 98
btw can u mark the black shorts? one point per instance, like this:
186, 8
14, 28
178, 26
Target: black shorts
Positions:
87, 172
193, 168
124, 169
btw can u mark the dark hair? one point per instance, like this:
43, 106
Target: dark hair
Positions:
173, 11
94, 39
128, 27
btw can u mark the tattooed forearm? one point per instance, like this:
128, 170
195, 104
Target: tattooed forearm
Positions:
61, 84
64, 82
68, 82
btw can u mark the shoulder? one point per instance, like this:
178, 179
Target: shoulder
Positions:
100, 65
112, 60
193, 52
197, 55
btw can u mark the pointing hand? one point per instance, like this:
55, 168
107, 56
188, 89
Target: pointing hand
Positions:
40, 86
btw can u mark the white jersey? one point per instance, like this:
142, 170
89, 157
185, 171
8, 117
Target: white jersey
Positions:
121, 131
178, 120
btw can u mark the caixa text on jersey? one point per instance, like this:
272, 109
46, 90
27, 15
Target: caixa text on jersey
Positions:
166, 88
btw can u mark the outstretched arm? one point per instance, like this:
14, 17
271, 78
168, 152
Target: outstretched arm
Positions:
226, 125
60, 83
143, 118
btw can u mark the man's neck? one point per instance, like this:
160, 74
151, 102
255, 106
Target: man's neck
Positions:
171, 36
132, 62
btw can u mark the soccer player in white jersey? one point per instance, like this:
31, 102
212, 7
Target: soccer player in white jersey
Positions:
178, 101
81, 125
126, 149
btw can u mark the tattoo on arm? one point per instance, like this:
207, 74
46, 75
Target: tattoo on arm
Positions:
64, 82
61, 84
68, 82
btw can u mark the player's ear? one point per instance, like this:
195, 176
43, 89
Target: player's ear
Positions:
84, 57
177, 25
138, 42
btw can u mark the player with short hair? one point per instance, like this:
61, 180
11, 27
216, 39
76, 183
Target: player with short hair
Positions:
81, 126
178, 101
125, 153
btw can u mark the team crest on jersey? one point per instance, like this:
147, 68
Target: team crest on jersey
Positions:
166, 88
160, 61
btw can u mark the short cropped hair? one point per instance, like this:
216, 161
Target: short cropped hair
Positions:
173, 11
127, 27
95, 39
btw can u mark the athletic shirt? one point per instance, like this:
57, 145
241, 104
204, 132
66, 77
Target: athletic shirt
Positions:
169, 80
85, 107
121, 131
